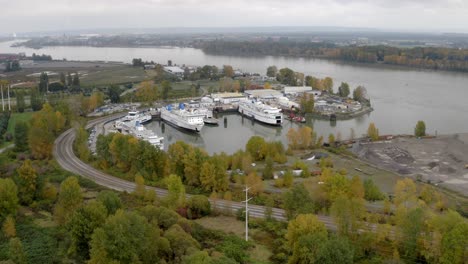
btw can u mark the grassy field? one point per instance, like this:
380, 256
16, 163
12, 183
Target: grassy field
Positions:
229, 224
15, 117
113, 75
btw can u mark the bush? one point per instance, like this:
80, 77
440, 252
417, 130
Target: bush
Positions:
198, 206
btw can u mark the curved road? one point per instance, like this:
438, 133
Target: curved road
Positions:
63, 153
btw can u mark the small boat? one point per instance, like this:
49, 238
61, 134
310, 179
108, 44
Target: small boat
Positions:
211, 121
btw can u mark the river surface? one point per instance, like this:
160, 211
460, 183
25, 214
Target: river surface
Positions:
400, 96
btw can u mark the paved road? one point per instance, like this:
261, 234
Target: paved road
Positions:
63, 153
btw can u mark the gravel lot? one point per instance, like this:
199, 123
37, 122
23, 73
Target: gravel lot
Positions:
440, 160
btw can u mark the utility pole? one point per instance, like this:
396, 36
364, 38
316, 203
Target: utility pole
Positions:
9, 103
3, 102
247, 199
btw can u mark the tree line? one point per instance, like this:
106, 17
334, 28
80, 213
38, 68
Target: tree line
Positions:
449, 59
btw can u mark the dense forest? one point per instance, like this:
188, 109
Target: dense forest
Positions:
418, 57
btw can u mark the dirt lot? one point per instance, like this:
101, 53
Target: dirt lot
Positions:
440, 161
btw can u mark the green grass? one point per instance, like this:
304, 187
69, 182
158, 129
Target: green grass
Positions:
15, 117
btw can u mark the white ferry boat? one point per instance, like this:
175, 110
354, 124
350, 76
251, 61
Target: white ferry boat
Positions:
190, 119
136, 129
261, 112
137, 116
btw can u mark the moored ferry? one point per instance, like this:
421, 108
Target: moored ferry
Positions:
261, 112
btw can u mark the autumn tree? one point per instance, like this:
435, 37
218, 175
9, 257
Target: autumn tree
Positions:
228, 71
69, 200
267, 85
9, 227
420, 129
207, 176
306, 103
373, 132
140, 189
255, 183
27, 182
347, 213
360, 94
8, 198
45, 126
147, 92
255, 147
304, 235
328, 84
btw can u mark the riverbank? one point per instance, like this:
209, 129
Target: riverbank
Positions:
342, 116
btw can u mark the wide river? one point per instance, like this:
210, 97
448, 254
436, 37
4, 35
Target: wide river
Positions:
400, 96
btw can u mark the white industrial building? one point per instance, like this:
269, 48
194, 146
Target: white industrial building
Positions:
177, 71
294, 90
264, 94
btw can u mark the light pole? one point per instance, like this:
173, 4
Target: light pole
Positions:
247, 199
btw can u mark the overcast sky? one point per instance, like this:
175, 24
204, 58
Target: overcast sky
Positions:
411, 15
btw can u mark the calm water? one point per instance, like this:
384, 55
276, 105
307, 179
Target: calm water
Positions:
400, 97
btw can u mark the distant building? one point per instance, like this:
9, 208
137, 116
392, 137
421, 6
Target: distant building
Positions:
228, 98
177, 71
294, 90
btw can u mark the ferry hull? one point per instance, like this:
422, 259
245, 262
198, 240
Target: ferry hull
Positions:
257, 117
173, 120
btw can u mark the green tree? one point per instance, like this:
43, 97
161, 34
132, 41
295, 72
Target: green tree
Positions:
287, 76
198, 206
272, 71
63, 79
110, 200
43, 83
69, 80
166, 88
181, 243
76, 80
268, 170
114, 94
331, 139
20, 103
420, 129
21, 136
176, 192
27, 182
372, 192
16, 251
8, 198
36, 99
360, 94
373, 132
343, 90
297, 200
335, 250
454, 245
69, 200
82, 225
126, 237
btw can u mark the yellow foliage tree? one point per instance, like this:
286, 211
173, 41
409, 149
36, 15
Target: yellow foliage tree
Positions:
9, 228
255, 183
373, 132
